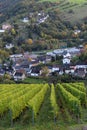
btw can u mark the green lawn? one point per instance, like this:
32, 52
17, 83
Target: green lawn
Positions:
34, 80
47, 126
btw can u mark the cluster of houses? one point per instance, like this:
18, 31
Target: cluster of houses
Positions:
67, 53
39, 17
42, 17
24, 65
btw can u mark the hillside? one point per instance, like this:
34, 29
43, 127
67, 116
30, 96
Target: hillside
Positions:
71, 10
16, 7
50, 24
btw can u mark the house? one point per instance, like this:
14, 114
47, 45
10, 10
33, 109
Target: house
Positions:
9, 46
76, 32
52, 54
6, 26
80, 73
0, 66
19, 76
66, 60
72, 68
25, 20
67, 55
16, 57
2, 72
81, 66
73, 51
34, 63
44, 59
25, 65
30, 57
35, 71
42, 18
68, 70
58, 52
2, 31
55, 68
61, 71
17, 67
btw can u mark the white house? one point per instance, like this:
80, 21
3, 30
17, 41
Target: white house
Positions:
76, 32
25, 20
61, 72
9, 46
16, 56
6, 26
19, 76
2, 31
66, 60
67, 71
55, 68
72, 68
67, 55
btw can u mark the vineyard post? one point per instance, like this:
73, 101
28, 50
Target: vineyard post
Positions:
77, 113
54, 119
11, 118
78, 116
32, 117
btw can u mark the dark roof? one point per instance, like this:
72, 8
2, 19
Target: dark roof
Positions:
44, 57
80, 74
35, 69
25, 66
34, 62
18, 74
18, 67
79, 70
65, 52
49, 67
2, 72
25, 63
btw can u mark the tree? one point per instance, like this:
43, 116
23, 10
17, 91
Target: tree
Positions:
7, 76
45, 71
29, 41
13, 32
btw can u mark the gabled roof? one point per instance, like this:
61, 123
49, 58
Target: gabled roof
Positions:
35, 69
18, 74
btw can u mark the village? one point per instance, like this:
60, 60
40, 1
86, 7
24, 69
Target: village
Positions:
34, 65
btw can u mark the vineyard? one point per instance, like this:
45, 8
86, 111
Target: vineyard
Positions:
70, 10
33, 100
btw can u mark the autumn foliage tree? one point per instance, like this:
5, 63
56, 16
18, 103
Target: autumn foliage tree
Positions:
45, 71
29, 41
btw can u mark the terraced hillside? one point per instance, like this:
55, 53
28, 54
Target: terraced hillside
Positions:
70, 10
27, 102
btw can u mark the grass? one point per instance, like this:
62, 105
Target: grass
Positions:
44, 126
34, 80
47, 126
